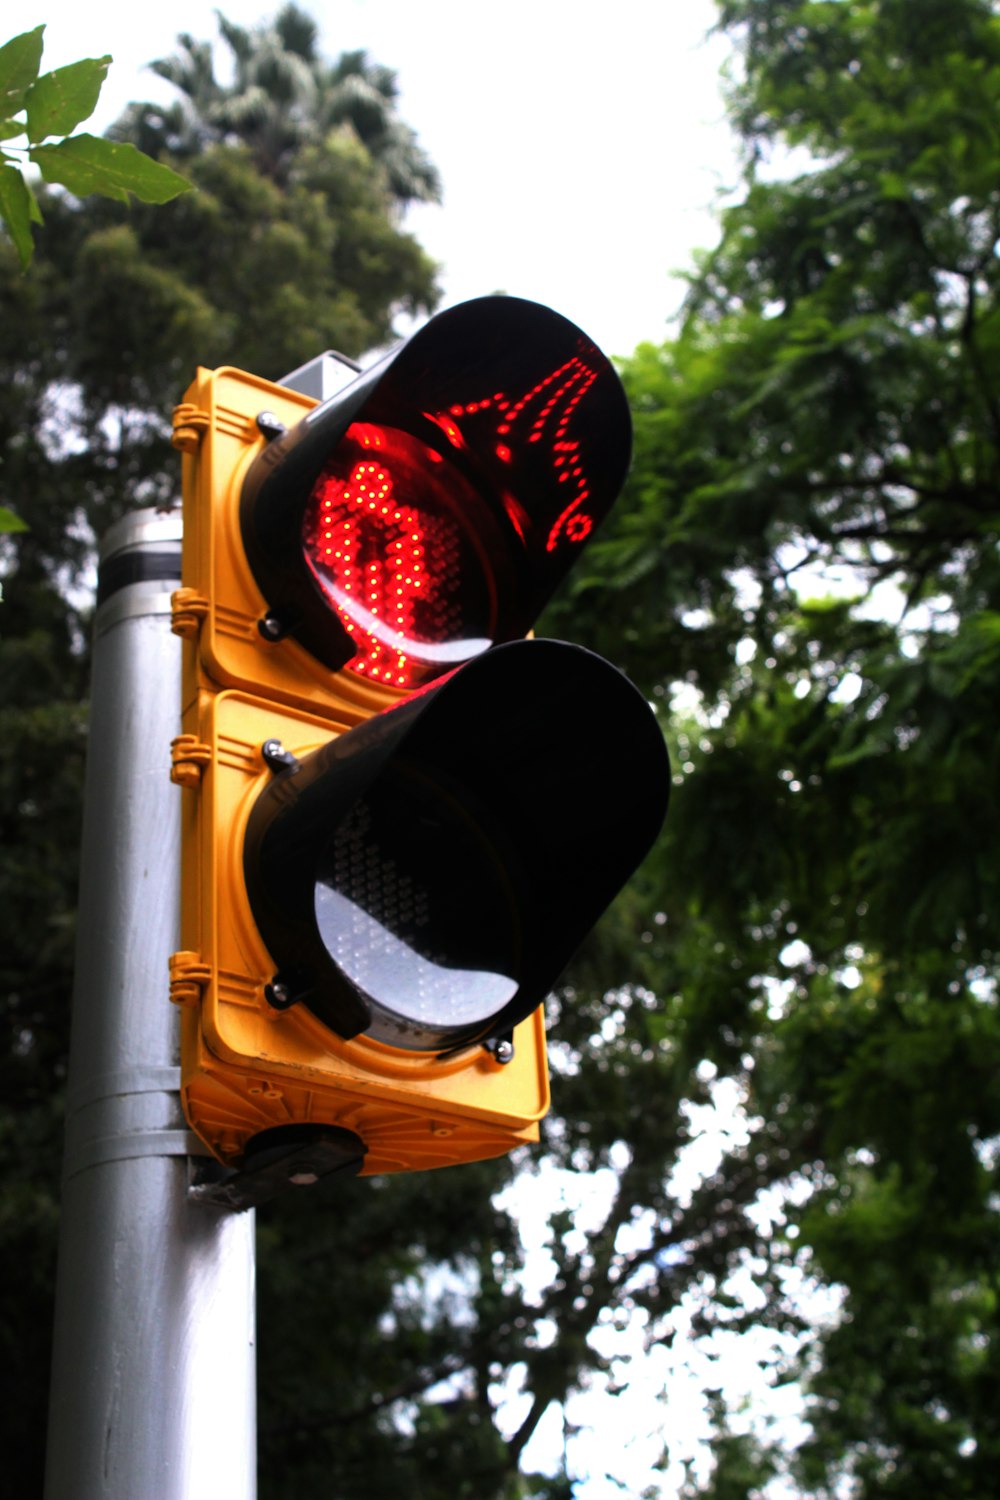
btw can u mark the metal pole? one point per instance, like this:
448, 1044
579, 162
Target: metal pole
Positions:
153, 1368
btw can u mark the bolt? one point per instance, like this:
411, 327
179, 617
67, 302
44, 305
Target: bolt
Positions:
276, 757
278, 995
270, 425
504, 1051
271, 628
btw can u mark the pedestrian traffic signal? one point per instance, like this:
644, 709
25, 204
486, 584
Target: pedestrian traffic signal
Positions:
403, 816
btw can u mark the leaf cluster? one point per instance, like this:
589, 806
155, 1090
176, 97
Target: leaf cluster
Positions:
807, 557
52, 105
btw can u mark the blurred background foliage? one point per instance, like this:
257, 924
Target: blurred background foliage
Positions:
803, 577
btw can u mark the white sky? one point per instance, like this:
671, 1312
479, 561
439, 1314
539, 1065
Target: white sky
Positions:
581, 146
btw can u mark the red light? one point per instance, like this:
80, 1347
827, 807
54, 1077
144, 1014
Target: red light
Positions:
547, 409
447, 426
578, 527
406, 581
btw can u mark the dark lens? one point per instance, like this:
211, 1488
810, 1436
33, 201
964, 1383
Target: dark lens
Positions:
414, 908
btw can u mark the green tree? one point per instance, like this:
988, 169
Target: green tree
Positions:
810, 545
284, 95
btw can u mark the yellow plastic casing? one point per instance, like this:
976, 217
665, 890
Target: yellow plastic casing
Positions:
245, 1066
219, 606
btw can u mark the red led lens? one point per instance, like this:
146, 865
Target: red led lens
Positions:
387, 536
545, 413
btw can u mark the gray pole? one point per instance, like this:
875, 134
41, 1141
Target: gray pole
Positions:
153, 1368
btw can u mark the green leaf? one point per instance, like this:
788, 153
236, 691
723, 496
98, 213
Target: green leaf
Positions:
19, 60
10, 522
61, 99
10, 128
89, 164
893, 185
16, 212
33, 208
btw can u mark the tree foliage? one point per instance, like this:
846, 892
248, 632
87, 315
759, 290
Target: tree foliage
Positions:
54, 104
803, 575
810, 544
284, 96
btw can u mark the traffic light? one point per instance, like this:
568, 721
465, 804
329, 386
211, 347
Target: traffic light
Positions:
401, 816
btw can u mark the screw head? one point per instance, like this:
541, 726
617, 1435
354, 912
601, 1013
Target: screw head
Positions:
504, 1051
276, 757
270, 425
271, 628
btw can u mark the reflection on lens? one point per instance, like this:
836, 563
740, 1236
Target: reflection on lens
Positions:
397, 977
413, 906
386, 535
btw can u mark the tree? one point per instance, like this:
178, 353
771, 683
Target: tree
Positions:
284, 96
811, 545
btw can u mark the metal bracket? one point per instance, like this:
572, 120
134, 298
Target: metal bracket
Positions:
277, 1160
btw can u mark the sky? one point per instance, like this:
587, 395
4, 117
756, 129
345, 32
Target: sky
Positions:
582, 148
583, 153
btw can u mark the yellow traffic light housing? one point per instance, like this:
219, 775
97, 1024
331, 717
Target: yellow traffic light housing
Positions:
401, 817
220, 608
249, 1066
